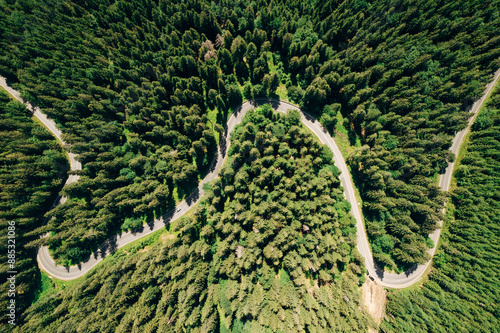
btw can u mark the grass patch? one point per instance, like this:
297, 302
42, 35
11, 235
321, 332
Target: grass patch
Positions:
60, 285
126, 132
175, 195
12, 98
272, 66
341, 135
212, 117
281, 92
341, 138
155, 237
435, 177
461, 153
463, 150
46, 287
275, 66
144, 242
50, 286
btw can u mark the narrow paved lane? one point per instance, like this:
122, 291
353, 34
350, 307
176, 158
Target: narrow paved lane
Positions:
115, 242
49, 124
411, 276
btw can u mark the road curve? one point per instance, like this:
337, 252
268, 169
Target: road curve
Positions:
414, 274
51, 126
115, 242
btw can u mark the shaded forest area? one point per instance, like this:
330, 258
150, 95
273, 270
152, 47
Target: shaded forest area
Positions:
462, 292
142, 89
271, 248
32, 168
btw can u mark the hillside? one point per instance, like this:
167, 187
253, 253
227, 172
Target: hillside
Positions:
271, 247
143, 89
462, 291
32, 169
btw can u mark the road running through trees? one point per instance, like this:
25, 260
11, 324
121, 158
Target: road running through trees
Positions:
115, 242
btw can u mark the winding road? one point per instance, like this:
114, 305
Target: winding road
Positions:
51, 126
113, 243
406, 279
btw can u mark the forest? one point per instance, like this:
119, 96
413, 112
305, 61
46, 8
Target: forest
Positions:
462, 291
33, 168
142, 91
271, 248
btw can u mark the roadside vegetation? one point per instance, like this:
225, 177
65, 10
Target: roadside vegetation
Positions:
461, 294
272, 247
33, 168
142, 90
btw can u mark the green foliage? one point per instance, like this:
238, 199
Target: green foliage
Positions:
127, 84
132, 223
32, 169
265, 251
131, 84
462, 291
403, 77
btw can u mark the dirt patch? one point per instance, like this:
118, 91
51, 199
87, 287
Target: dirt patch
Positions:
312, 288
145, 249
164, 236
375, 299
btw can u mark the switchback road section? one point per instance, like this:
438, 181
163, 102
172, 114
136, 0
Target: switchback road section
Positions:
113, 243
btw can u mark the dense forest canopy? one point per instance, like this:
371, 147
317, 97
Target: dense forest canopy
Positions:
32, 168
271, 248
462, 291
143, 88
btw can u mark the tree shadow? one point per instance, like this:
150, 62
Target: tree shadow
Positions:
410, 270
185, 189
351, 136
380, 272
274, 102
193, 197
167, 218
107, 247
407, 269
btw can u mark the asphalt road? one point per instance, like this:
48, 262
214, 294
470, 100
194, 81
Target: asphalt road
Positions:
115, 242
411, 276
